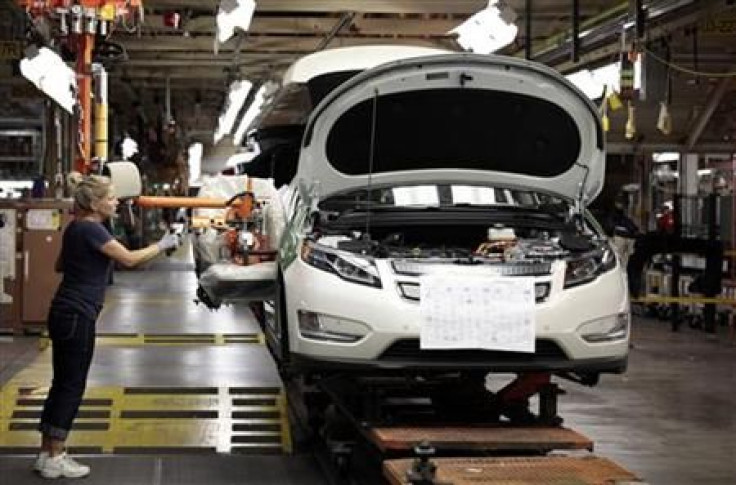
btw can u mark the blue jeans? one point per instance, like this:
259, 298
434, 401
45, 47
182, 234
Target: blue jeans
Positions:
72, 337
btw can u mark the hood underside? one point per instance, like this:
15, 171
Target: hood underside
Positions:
456, 118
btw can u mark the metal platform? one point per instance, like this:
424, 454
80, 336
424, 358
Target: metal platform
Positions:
489, 438
516, 471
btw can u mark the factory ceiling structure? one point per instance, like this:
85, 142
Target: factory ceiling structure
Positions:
171, 61
695, 35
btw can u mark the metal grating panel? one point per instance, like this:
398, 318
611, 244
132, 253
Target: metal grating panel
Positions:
404, 438
156, 420
551, 470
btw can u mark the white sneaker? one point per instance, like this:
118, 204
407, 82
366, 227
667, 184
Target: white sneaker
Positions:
40, 460
63, 466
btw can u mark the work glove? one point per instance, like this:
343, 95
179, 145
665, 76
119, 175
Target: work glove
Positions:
169, 241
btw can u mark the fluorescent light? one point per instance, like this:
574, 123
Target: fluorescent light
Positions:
233, 14
705, 171
663, 157
238, 158
488, 30
589, 85
236, 97
195, 162
592, 82
16, 184
129, 148
250, 114
48, 72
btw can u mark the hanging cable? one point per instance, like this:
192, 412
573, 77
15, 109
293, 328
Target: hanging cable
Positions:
686, 70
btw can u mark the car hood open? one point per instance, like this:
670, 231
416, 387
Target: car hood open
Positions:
455, 118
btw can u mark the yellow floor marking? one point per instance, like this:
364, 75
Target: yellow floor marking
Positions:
248, 420
225, 408
157, 419
286, 443
166, 340
685, 300
110, 442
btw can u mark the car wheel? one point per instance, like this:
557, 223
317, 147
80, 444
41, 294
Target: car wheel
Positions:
280, 332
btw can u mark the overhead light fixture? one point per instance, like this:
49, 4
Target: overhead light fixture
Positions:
238, 158
592, 82
231, 15
250, 115
129, 147
488, 30
48, 72
194, 160
235, 99
663, 157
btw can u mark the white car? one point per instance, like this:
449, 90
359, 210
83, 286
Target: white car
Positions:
461, 167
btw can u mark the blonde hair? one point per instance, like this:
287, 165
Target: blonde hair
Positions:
90, 189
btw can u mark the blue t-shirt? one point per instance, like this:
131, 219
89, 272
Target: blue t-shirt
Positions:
85, 267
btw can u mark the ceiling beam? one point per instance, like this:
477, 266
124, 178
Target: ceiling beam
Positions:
285, 44
214, 63
184, 72
714, 99
311, 25
663, 28
372, 6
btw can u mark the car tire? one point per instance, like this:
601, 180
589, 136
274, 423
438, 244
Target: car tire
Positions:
281, 340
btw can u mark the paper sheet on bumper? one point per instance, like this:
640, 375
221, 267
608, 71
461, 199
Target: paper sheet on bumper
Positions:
465, 312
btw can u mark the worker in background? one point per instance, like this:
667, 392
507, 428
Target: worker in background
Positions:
666, 219
621, 229
87, 253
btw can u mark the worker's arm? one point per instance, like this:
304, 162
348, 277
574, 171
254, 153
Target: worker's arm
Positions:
116, 251
125, 256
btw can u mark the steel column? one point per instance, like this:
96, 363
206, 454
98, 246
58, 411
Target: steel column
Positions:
85, 44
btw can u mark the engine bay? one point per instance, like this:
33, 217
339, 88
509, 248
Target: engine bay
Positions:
473, 241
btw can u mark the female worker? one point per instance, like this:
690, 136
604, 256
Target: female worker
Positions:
86, 257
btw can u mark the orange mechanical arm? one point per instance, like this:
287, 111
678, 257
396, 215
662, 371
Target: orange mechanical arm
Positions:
176, 202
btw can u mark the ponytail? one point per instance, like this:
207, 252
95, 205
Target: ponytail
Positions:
88, 190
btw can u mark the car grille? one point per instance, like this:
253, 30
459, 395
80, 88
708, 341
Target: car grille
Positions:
408, 349
411, 291
408, 267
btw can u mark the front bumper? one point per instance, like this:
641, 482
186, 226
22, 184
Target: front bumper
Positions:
408, 359
394, 321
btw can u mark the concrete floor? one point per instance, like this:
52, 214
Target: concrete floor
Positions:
670, 419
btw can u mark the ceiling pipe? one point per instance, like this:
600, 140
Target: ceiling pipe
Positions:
345, 20
607, 48
606, 26
559, 38
625, 148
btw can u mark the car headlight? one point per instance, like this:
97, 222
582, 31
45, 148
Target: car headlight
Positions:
346, 265
586, 268
614, 327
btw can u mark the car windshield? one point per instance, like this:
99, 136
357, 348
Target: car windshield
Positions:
443, 196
